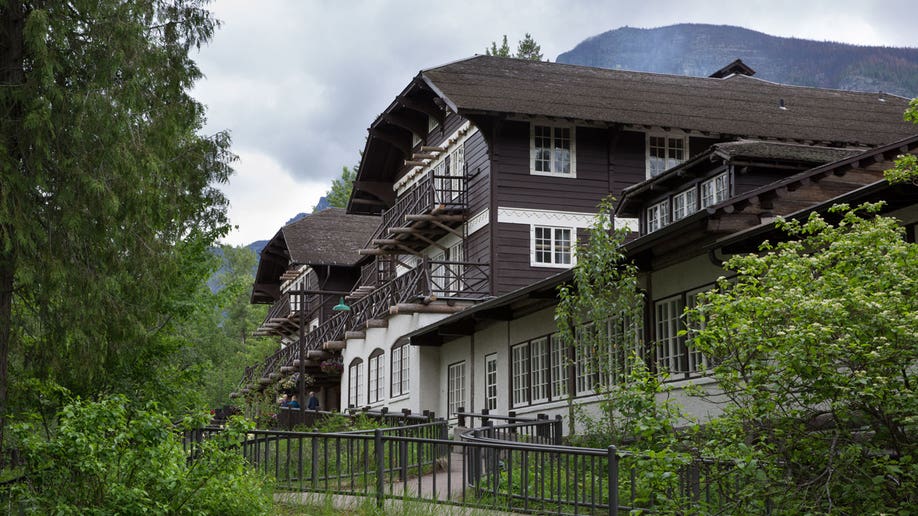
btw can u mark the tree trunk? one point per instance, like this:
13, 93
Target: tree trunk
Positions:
12, 75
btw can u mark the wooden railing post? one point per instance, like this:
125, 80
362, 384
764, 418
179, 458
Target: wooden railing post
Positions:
380, 466
613, 480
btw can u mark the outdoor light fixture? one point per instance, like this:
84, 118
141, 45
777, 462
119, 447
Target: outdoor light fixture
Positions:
341, 307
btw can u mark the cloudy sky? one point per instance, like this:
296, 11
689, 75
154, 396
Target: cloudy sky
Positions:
297, 82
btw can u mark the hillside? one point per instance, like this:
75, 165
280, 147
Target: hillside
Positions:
699, 50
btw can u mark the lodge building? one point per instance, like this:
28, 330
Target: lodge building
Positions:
480, 179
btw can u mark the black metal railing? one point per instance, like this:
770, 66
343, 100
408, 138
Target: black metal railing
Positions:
441, 192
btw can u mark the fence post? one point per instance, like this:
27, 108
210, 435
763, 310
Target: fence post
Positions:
613, 481
380, 465
403, 453
315, 463
558, 429
461, 416
484, 416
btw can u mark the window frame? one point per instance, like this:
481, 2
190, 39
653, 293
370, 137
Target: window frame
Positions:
553, 126
355, 390
454, 386
400, 376
667, 138
661, 209
718, 194
689, 199
553, 246
491, 396
376, 376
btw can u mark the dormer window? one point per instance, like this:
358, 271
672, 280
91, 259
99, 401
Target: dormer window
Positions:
684, 204
552, 150
664, 152
714, 190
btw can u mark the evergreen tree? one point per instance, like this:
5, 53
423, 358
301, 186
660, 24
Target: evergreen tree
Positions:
502, 51
340, 191
108, 205
529, 49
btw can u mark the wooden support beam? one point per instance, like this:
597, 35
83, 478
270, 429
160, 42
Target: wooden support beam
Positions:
355, 335
371, 252
415, 308
315, 354
439, 218
447, 228
380, 189
402, 143
334, 345
424, 106
410, 123
377, 323
432, 148
415, 163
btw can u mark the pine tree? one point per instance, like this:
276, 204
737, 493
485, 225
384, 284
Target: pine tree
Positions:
502, 51
529, 49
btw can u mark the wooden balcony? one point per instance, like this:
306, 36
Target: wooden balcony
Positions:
435, 206
415, 291
283, 319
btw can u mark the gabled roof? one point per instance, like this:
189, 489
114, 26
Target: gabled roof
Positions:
736, 105
328, 237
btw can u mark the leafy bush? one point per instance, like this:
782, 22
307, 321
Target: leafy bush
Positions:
109, 457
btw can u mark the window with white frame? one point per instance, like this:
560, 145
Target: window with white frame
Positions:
491, 381
552, 247
538, 352
376, 381
553, 151
399, 370
559, 367
714, 190
657, 216
684, 204
519, 374
455, 393
664, 152
355, 383
669, 346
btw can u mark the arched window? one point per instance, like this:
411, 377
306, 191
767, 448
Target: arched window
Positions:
399, 367
377, 376
355, 390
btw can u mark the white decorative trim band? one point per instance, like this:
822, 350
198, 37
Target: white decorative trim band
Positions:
478, 221
631, 224
573, 219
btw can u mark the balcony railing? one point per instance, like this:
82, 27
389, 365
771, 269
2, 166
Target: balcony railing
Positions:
429, 281
283, 317
433, 193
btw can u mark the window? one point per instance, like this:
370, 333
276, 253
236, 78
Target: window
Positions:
455, 388
669, 346
552, 247
714, 190
519, 374
538, 350
683, 204
399, 369
697, 362
559, 367
657, 216
491, 381
375, 365
355, 383
552, 150
584, 361
446, 276
448, 175
663, 153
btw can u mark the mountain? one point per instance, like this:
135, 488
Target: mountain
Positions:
699, 50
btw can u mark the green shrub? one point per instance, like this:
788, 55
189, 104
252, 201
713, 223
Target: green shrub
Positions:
108, 457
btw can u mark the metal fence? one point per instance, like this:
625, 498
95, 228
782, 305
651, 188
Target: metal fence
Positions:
507, 463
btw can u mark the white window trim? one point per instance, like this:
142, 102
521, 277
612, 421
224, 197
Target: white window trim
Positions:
662, 209
544, 123
672, 134
455, 394
491, 382
532, 247
713, 181
689, 194
404, 371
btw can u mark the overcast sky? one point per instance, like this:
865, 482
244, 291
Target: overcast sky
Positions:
297, 82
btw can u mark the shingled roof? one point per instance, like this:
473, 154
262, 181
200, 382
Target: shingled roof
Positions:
737, 105
328, 237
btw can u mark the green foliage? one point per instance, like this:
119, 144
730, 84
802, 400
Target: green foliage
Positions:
502, 51
906, 168
340, 192
599, 313
109, 203
526, 48
115, 457
816, 348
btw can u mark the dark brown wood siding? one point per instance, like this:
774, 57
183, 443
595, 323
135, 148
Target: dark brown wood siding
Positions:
440, 133
627, 160
517, 188
478, 168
